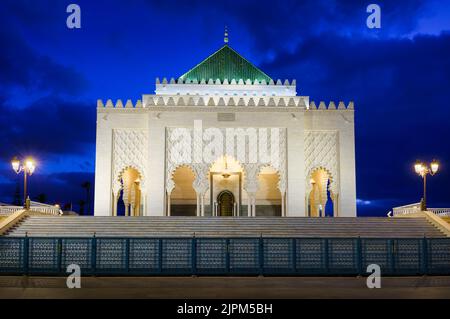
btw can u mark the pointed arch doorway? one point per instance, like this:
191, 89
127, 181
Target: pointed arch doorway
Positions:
322, 202
128, 200
225, 187
225, 203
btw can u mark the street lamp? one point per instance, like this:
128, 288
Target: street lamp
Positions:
423, 170
27, 168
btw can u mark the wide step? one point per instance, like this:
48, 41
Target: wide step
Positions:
82, 226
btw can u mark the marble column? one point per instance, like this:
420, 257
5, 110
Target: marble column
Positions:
198, 204
115, 199
202, 205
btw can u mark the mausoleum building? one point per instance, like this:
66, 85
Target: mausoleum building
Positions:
225, 139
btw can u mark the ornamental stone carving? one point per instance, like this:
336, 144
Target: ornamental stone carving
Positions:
130, 149
201, 184
321, 151
184, 149
251, 177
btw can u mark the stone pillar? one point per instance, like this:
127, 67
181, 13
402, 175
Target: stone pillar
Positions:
133, 199
198, 205
335, 199
296, 170
347, 179
251, 186
156, 168
115, 199
202, 205
254, 206
200, 194
168, 204
200, 185
142, 211
286, 200
251, 204
238, 206
103, 165
308, 209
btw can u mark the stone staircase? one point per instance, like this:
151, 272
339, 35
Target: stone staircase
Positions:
86, 226
446, 218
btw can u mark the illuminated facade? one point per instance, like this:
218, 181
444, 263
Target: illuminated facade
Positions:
141, 168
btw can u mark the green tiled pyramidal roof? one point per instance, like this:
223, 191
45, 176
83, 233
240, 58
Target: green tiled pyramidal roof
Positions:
225, 64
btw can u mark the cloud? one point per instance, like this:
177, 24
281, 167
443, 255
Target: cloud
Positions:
400, 87
275, 25
49, 126
24, 67
363, 202
25, 13
42, 111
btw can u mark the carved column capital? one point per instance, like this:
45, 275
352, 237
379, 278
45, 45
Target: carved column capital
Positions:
201, 183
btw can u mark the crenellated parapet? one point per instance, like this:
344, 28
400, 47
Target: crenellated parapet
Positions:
224, 101
119, 104
152, 101
221, 101
225, 87
331, 106
179, 81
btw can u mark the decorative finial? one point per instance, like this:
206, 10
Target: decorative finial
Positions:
225, 39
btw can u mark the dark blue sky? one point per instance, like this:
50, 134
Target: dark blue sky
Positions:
398, 76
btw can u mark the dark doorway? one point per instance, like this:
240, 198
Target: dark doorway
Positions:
225, 203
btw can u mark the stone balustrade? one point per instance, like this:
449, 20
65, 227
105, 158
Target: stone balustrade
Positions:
440, 211
415, 208
35, 207
407, 209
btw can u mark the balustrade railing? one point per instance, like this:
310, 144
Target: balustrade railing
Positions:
224, 256
407, 209
440, 211
8, 210
415, 208
35, 207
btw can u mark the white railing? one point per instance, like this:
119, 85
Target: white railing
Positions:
8, 210
415, 208
440, 211
407, 209
47, 210
34, 206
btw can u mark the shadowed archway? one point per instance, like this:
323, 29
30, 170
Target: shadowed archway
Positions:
321, 200
183, 196
129, 199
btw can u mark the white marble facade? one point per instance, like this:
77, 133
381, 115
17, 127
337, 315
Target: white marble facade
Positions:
311, 137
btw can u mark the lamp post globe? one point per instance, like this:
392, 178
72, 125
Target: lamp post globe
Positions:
27, 168
434, 167
423, 170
